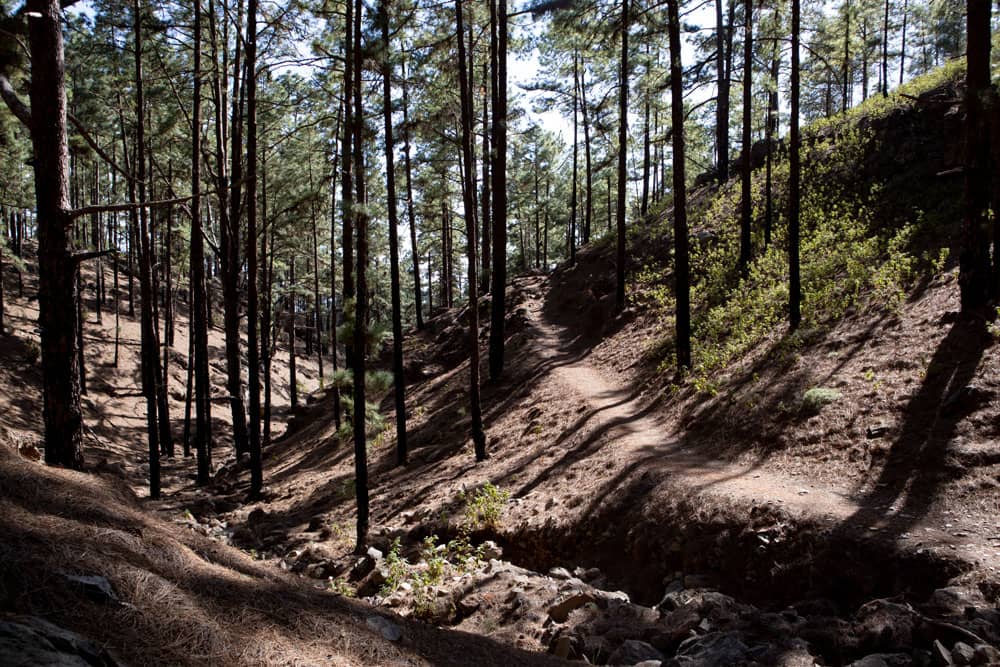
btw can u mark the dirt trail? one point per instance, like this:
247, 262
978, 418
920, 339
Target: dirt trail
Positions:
639, 432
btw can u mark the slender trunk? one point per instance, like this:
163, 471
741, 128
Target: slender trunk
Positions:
141, 239
571, 231
682, 284
498, 58
410, 214
293, 384
478, 435
317, 299
588, 207
266, 317
484, 277
229, 241
360, 301
771, 131
79, 334
746, 203
846, 93
974, 260
253, 347
646, 159
622, 156
198, 328
347, 176
794, 277
188, 394
885, 51
398, 379
902, 45
722, 102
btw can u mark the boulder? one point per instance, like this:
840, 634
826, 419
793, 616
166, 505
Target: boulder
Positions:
561, 610
389, 630
633, 652
717, 648
29, 640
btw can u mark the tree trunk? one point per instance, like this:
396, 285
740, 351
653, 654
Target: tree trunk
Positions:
974, 260
498, 57
398, 379
347, 177
199, 300
411, 216
484, 278
794, 168
253, 348
885, 51
746, 203
140, 236
361, 301
722, 101
682, 285
622, 156
478, 435
571, 231
293, 384
588, 207
846, 93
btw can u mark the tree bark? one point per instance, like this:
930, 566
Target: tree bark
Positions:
622, 156
253, 348
498, 56
746, 203
398, 378
411, 216
974, 260
681, 272
478, 435
795, 169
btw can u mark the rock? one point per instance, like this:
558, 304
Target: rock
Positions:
29, 640
374, 554
562, 647
986, 655
883, 660
588, 575
372, 583
560, 611
389, 630
941, 655
718, 648
468, 605
953, 601
962, 653
29, 451
633, 652
491, 550
670, 599
649, 663
876, 431
93, 587
315, 523
559, 573
882, 625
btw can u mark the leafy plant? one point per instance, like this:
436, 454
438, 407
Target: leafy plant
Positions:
816, 398
484, 507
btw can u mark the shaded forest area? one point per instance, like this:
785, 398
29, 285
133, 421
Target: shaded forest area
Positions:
499, 333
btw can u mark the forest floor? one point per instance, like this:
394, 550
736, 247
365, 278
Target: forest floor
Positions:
619, 518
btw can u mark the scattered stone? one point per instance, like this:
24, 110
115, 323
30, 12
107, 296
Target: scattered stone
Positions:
29, 640
562, 647
876, 431
372, 583
882, 625
560, 611
374, 554
29, 451
590, 574
633, 652
941, 655
718, 648
389, 630
559, 573
491, 550
468, 605
962, 653
986, 655
883, 660
94, 587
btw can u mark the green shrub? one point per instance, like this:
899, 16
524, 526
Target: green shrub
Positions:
816, 398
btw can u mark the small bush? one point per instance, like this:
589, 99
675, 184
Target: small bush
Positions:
483, 508
817, 397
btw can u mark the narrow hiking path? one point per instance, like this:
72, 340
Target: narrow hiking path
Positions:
640, 433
